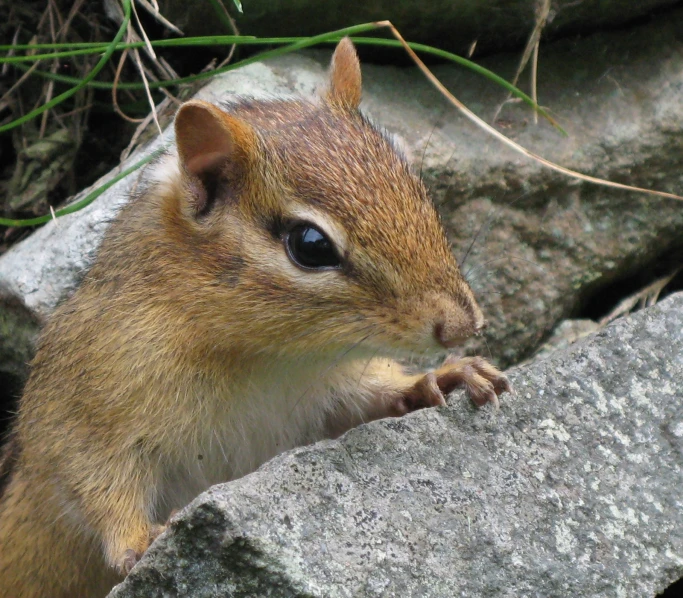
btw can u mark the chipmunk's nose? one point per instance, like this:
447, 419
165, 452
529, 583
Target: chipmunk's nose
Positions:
454, 326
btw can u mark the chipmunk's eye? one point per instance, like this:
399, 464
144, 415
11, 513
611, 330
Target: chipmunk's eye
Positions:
308, 247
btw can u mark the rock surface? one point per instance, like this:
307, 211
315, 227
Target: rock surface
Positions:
572, 489
565, 334
542, 244
455, 25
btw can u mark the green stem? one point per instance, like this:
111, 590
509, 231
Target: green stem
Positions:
87, 200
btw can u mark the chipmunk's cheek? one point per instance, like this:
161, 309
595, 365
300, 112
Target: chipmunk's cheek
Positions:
404, 330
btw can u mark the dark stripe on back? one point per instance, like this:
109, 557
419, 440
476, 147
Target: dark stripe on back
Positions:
8, 461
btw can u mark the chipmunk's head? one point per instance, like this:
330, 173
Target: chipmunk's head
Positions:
314, 229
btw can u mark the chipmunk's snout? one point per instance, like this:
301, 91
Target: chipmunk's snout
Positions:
442, 336
457, 322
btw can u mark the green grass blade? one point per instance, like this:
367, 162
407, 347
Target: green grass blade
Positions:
210, 40
87, 200
97, 47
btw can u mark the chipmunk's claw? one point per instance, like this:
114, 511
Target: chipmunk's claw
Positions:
482, 381
425, 393
131, 557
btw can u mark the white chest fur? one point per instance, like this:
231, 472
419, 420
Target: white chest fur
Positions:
273, 412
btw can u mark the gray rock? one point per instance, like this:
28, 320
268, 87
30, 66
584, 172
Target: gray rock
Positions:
18, 331
542, 244
566, 334
454, 25
572, 489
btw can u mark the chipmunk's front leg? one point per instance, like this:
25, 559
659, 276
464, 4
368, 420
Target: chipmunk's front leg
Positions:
122, 513
125, 548
383, 389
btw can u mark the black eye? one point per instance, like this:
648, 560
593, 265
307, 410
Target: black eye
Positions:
308, 247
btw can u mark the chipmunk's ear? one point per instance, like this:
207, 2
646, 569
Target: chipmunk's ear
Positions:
214, 149
344, 87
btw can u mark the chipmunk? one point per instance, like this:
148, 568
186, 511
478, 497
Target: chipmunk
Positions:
248, 301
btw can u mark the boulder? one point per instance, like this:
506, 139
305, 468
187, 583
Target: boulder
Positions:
454, 25
572, 489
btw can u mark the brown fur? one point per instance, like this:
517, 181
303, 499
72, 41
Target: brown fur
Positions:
8, 461
194, 349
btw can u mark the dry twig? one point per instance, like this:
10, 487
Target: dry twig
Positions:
530, 52
645, 297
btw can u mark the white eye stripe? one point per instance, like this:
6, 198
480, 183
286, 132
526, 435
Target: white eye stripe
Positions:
334, 231
280, 267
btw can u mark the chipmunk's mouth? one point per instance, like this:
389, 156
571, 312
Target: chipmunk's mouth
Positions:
450, 343
403, 347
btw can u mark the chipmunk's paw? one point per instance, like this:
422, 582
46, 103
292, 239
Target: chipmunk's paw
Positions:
424, 393
127, 562
130, 556
482, 382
